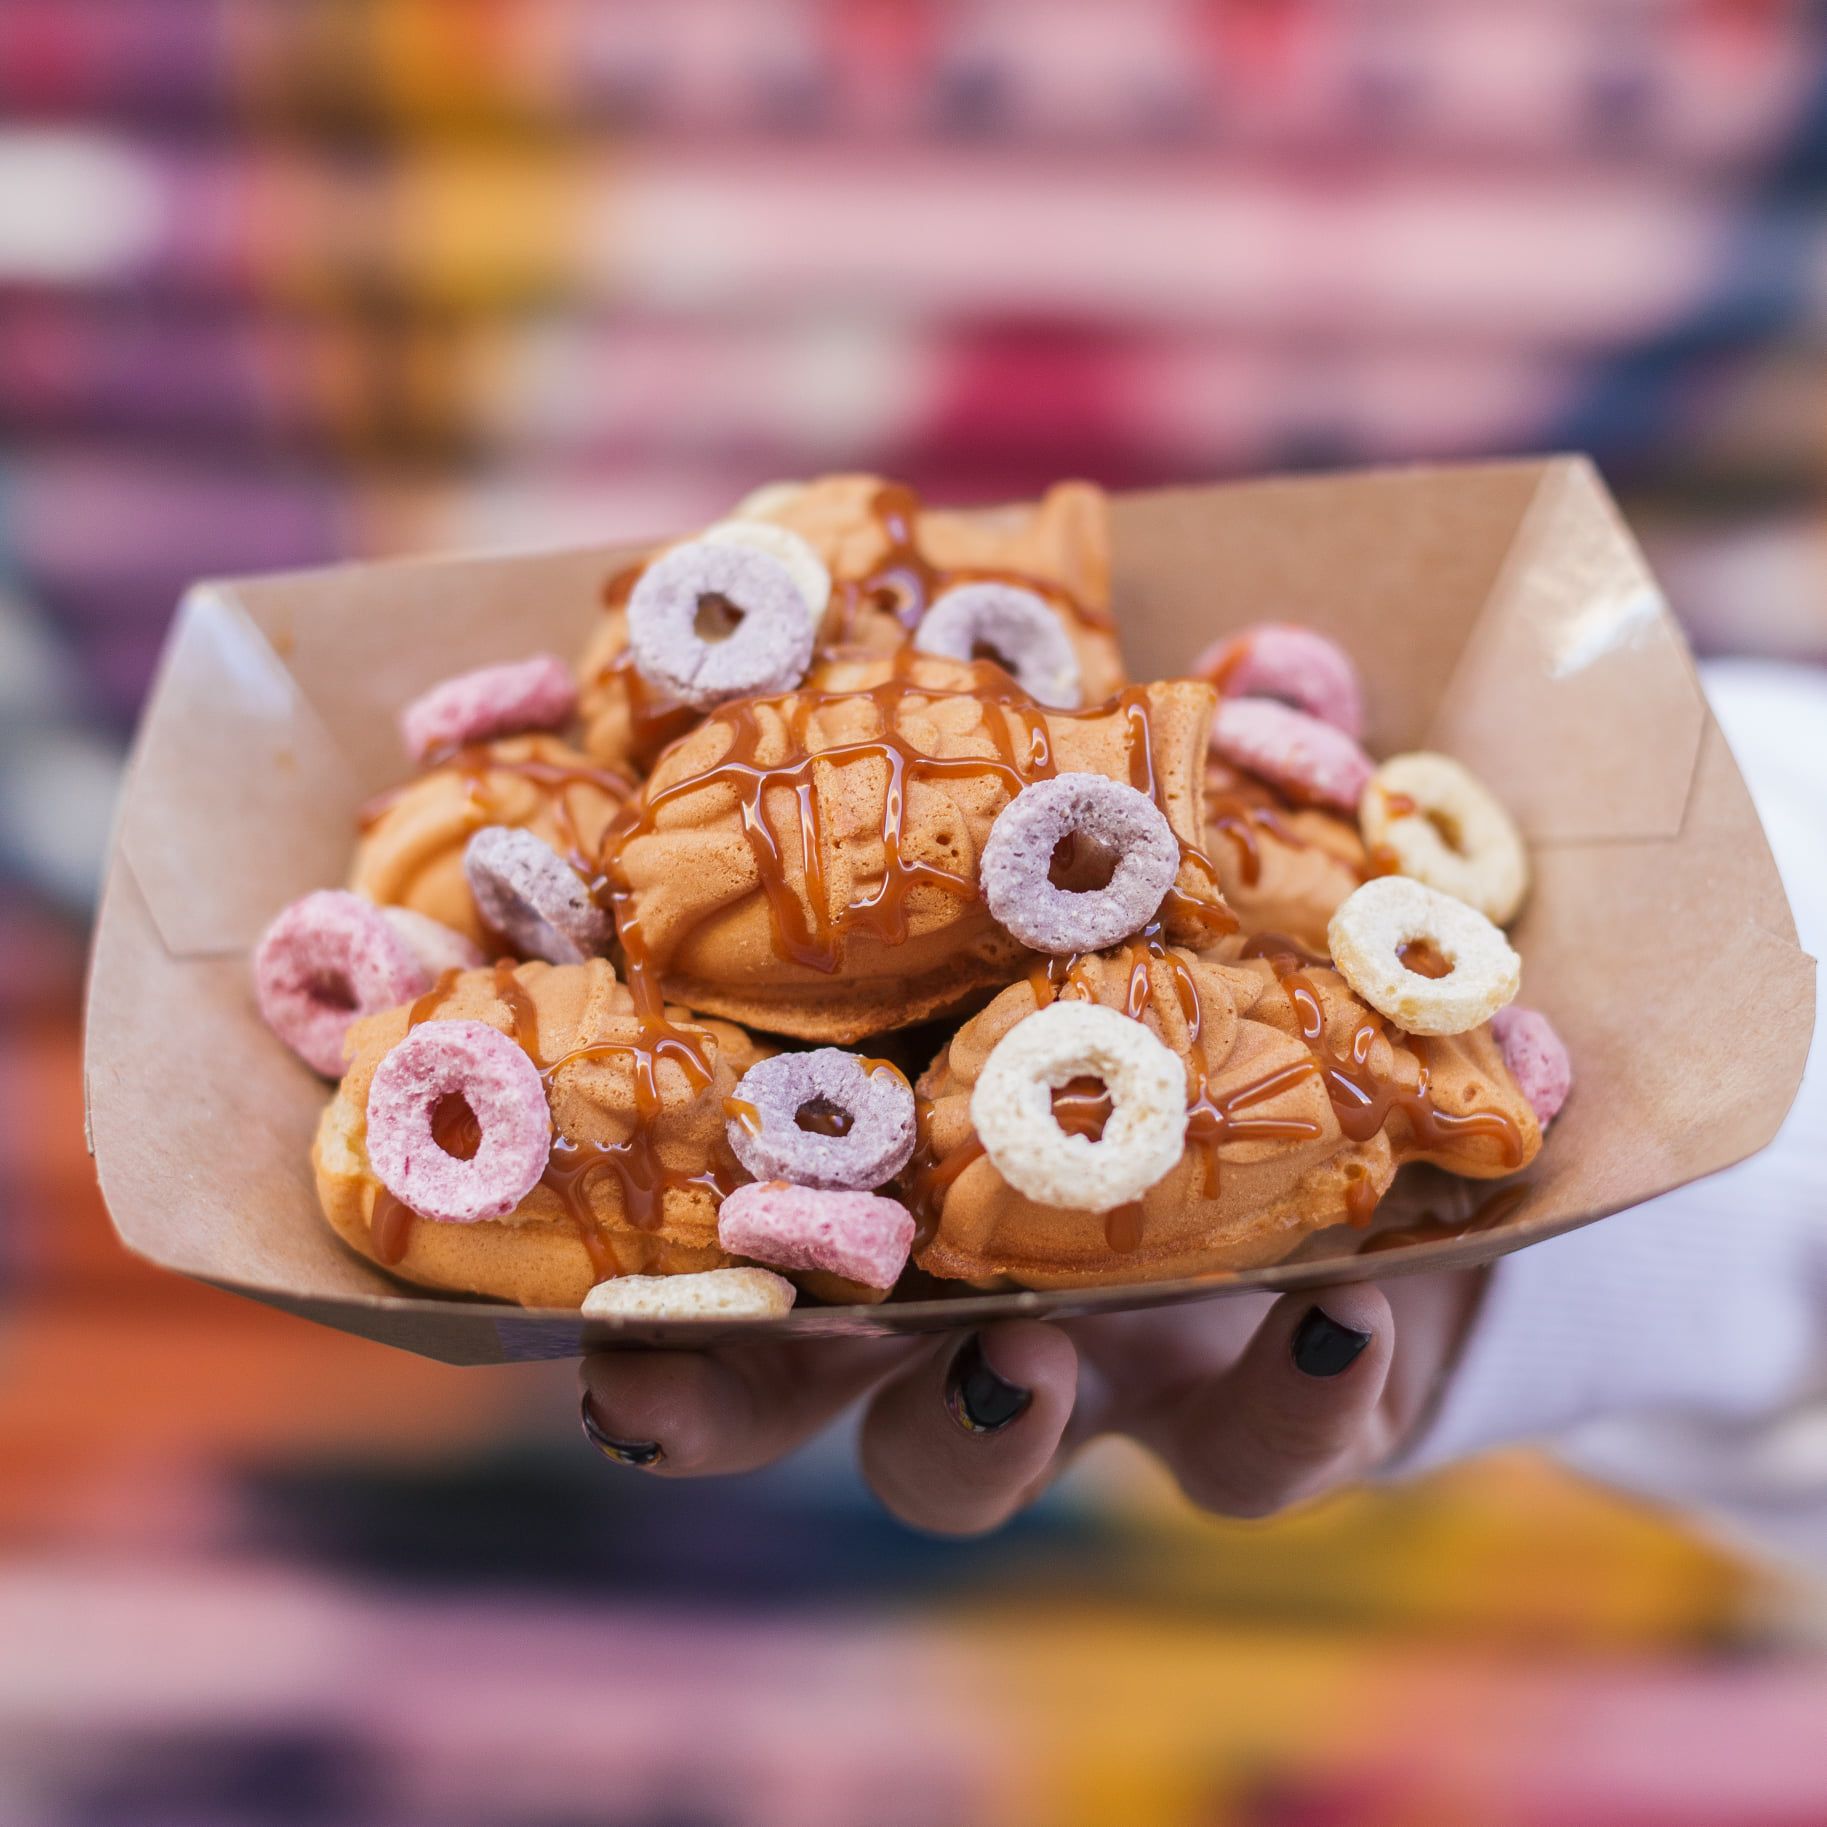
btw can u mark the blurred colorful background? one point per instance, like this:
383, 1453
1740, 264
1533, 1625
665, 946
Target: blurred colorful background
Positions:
284, 281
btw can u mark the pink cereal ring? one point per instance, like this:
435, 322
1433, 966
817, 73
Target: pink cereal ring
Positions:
535, 694
1296, 665
1109, 816
874, 1144
326, 961
1310, 761
860, 1236
1537, 1058
532, 897
505, 1094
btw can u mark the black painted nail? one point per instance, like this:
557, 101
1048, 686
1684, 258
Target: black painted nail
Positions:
1322, 1347
980, 1401
623, 1452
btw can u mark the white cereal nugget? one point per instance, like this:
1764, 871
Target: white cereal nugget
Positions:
729, 1294
1446, 828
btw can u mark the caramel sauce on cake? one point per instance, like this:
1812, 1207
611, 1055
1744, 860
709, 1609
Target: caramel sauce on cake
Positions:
643, 1179
810, 924
1363, 1100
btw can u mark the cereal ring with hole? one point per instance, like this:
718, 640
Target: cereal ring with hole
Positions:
859, 1236
326, 961
1537, 1058
828, 1119
440, 948
720, 1294
506, 1096
1297, 666
1446, 828
530, 895
713, 621
1012, 1107
1310, 761
1019, 628
535, 694
1107, 822
1375, 922
783, 543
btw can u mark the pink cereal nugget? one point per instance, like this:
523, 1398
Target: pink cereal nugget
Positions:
1537, 1058
506, 1096
326, 961
535, 694
1294, 664
860, 1236
1310, 761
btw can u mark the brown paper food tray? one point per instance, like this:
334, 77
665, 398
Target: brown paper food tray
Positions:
1499, 611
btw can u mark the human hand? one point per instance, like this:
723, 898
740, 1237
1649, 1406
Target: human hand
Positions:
1253, 1403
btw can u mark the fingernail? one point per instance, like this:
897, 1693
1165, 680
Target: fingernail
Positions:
1322, 1347
979, 1400
623, 1452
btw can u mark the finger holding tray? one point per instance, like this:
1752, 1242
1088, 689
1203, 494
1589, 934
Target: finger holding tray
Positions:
851, 918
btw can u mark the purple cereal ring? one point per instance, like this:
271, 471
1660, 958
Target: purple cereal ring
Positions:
1297, 665
326, 961
1310, 761
877, 1138
440, 948
505, 1094
1115, 819
1018, 626
535, 694
530, 895
767, 649
860, 1236
1537, 1058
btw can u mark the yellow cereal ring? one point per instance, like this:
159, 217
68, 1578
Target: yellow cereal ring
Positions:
1375, 923
1443, 826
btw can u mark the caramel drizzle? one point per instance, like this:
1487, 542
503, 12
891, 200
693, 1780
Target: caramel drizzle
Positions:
1362, 1101
1244, 812
573, 1166
904, 583
1212, 1121
555, 782
803, 928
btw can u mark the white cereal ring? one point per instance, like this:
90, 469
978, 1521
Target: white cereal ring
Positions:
784, 544
1444, 827
724, 1294
765, 650
1012, 1107
1372, 925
